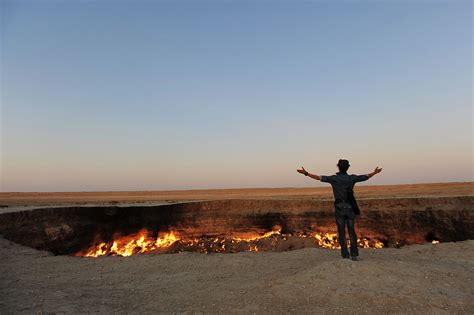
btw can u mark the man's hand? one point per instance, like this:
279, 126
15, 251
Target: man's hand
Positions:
302, 171
306, 173
376, 171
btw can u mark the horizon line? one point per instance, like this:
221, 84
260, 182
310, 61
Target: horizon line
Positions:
227, 189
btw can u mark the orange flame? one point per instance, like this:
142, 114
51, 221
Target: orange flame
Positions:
141, 242
132, 244
330, 240
274, 232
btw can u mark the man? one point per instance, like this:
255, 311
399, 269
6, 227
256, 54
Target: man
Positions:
346, 205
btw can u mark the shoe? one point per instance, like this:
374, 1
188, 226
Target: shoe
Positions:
346, 257
354, 258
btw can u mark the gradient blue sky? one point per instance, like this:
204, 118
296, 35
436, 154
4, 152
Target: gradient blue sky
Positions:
145, 95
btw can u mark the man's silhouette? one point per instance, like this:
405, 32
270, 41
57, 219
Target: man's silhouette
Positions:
346, 205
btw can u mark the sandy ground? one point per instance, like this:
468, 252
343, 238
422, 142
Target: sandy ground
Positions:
416, 279
429, 278
15, 199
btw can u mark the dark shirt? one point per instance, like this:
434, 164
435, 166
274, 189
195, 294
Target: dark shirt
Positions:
342, 185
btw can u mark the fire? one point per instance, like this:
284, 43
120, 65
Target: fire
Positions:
434, 242
141, 242
326, 240
330, 240
132, 244
274, 232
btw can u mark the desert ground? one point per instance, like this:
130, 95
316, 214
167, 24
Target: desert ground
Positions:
34, 199
426, 278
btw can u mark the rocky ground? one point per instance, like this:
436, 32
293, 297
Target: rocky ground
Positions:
429, 278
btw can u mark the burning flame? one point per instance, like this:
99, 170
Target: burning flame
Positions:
141, 242
434, 242
132, 244
326, 240
274, 232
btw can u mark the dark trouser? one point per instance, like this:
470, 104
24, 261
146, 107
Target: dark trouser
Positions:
346, 216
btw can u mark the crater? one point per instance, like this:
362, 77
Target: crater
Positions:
229, 226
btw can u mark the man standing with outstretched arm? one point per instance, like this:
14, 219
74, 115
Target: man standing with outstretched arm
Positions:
346, 205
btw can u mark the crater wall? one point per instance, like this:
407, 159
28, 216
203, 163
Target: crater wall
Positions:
396, 221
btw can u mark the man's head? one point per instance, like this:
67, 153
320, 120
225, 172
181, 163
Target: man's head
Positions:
343, 165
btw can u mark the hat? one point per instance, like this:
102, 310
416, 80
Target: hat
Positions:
343, 163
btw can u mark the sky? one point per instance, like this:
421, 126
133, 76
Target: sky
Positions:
163, 95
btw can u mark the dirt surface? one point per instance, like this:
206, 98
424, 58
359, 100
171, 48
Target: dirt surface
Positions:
416, 279
428, 278
10, 199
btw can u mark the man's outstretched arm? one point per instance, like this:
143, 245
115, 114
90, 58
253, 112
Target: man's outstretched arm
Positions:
376, 171
361, 178
304, 172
